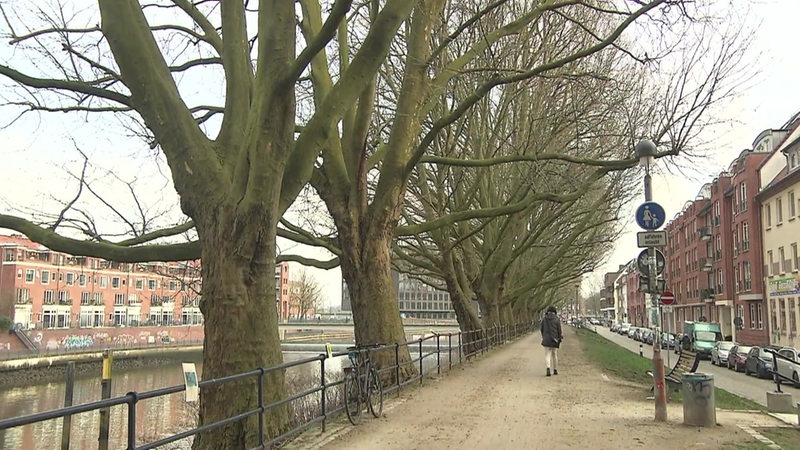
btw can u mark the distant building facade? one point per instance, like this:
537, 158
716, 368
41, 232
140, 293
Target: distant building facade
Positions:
415, 299
43, 289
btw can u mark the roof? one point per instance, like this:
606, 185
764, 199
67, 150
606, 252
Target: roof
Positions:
17, 240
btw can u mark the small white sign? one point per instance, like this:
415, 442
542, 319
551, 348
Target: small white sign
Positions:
191, 380
646, 239
667, 309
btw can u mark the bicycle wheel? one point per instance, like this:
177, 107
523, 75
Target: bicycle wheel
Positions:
375, 396
352, 405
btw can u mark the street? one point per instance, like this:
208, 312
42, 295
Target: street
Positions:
740, 384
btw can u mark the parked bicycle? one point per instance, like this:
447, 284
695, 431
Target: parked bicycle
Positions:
362, 385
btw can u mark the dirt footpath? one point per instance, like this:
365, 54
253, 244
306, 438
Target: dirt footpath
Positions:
504, 401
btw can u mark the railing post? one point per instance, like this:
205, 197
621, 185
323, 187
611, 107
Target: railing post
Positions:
105, 393
460, 345
324, 391
261, 408
66, 424
449, 351
421, 373
134, 399
438, 357
397, 366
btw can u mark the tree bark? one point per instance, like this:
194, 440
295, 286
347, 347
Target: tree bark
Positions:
366, 269
241, 330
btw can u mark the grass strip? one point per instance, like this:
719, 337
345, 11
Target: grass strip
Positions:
620, 362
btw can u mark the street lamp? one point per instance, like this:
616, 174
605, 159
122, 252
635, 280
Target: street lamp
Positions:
577, 300
646, 151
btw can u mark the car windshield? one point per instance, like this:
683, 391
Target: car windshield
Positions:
743, 350
725, 345
707, 336
765, 354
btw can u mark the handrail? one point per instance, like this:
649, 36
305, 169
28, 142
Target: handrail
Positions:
483, 340
775, 375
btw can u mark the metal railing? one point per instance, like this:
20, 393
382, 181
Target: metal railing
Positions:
462, 344
776, 376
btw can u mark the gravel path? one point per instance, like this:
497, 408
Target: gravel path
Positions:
504, 401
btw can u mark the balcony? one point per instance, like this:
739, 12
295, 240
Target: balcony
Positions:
706, 264
705, 233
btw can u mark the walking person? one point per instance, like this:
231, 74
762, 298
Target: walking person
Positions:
551, 339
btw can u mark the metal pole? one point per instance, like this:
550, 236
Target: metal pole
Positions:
66, 424
659, 388
105, 393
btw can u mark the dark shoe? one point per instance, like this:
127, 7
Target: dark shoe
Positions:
555, 372
548, 373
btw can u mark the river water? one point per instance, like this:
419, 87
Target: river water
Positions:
156, 417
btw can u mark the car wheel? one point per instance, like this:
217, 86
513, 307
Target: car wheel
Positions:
746, 370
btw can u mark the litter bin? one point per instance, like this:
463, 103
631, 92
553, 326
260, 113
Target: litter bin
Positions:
699, 404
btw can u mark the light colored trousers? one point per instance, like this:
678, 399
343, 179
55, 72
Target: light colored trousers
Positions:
551, 356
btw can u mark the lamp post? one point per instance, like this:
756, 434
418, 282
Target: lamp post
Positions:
577, 300
646, 151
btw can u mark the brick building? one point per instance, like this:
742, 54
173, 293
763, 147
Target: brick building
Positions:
43, 289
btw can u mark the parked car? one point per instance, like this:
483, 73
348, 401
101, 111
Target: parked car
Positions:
737, 356
720, 351
649, 337
789, 369
668, 340
623, 329
759, 362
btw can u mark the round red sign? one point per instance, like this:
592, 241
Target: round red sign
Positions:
667, 298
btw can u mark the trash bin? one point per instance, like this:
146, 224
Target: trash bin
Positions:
699, 404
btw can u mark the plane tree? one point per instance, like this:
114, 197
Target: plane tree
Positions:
239, 163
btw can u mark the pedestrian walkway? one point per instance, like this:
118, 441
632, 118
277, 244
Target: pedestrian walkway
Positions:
503, 401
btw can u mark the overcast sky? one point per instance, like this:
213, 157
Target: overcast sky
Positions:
39, 151
772, 98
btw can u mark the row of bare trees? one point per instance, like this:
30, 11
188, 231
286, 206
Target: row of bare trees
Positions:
482, 145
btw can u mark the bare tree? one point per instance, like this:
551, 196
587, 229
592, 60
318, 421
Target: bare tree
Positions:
305, 296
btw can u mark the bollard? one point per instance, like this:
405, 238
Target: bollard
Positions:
105, 393
699, 403
641, 355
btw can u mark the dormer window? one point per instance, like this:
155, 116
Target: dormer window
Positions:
793, 161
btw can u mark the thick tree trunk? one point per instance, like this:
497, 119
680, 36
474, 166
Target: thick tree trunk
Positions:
241, 327
366, 268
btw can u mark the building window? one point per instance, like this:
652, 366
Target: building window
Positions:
85, 299
743, 197
30, 274
752, 316
747, 275
98, 298
151, 284
70, 279
773, 315
103, 282
133, 299
791, 205
769, 268
795, 261
45, 277
119, 299
778, 211
782, 315
139, 284
745, 236
115, 282
759, 316
792, 318
767, 215
782, 260
82, 280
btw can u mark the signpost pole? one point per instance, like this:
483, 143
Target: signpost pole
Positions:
646, 151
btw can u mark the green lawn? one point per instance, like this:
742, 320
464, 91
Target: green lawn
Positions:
622, 363
786, 437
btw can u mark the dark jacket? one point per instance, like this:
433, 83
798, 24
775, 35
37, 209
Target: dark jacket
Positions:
551, 330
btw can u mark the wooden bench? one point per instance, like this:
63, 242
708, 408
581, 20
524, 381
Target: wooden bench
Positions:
688, 361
